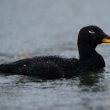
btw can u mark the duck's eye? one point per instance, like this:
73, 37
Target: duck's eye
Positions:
91, 32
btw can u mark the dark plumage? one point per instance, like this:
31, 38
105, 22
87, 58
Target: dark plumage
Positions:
53, 67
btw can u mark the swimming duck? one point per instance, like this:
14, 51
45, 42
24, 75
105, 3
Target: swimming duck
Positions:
53, 67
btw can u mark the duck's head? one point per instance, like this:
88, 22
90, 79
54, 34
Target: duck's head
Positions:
89, 37
92, 36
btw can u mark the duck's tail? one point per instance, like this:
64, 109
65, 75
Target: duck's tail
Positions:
6, 68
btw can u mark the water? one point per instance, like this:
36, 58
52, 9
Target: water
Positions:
50, 27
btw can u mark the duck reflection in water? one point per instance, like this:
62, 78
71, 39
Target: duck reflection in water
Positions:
92, 80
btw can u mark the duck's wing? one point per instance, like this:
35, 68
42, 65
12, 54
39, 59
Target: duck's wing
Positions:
37, 65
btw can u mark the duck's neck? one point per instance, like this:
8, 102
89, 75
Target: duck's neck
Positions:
86, 52
90, 57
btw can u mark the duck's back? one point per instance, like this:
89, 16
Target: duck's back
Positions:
50, 67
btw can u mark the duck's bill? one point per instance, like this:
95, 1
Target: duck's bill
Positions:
106, 40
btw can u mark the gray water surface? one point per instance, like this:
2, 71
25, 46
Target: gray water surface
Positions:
50, 27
